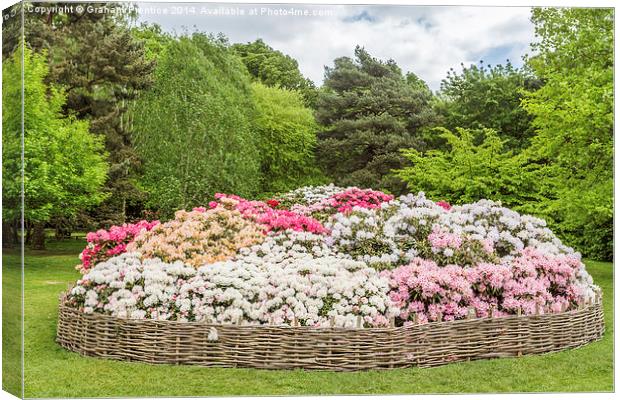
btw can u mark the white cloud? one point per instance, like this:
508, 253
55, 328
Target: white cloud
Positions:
423, 39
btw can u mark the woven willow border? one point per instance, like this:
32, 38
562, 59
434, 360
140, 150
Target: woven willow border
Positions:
340, 349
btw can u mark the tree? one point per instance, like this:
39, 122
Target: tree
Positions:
369, 111
468, 171
103, 69
193, 127
153, 38
287, 133
273, 68
573, 117
488, 97
64, 165
11, 30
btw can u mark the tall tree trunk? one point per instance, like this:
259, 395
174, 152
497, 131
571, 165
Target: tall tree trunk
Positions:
38, 236
8, 234
28, 233
17, 231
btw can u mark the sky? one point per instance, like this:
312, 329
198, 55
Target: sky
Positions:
425, 40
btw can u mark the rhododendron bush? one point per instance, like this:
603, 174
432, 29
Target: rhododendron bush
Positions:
198, 237
105, 244
325, 256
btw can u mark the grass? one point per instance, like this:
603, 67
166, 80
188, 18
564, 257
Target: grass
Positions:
54, 372
11, 325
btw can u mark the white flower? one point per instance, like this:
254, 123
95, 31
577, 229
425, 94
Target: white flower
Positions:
91, 298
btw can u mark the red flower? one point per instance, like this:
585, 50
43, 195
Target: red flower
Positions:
273, 203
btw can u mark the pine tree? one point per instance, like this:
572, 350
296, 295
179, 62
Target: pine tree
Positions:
369, 111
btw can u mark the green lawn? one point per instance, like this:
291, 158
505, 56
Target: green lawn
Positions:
54, 372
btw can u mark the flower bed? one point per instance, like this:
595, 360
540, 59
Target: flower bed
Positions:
329, 257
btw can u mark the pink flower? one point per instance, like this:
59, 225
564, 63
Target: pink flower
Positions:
528, 283
355, 197
442, 240
488, 246
444, 204
345, 201
274, 219
104, 244
91, 236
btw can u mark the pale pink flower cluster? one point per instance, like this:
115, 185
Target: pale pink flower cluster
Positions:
452, 248
440, 240
533, 282
198, 237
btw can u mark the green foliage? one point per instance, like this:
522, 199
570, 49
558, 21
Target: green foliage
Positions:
369, 111
153, 39
488, 97
273, 68
564, 169
11, 30
287, 133
103, 68
573, 117
417, 83
468, 171
64, 165
193, 128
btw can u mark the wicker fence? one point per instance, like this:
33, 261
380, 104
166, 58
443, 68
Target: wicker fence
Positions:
341, 349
